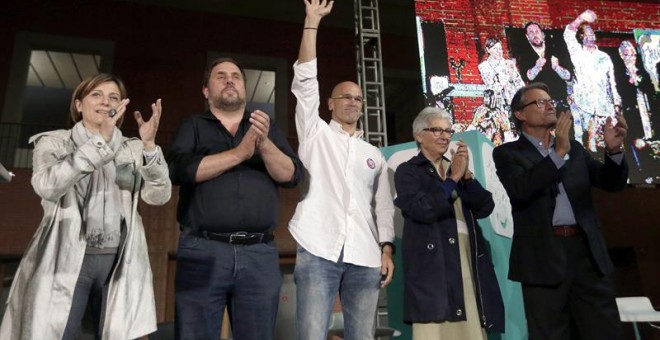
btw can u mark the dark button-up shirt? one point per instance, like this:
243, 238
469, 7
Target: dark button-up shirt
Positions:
243, 198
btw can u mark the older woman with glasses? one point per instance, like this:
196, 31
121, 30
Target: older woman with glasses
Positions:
90, 249
450, 288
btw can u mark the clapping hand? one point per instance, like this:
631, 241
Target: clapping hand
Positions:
459, 161
615, 134
554, 62
149, 128
540, 62
562, 130
261, 125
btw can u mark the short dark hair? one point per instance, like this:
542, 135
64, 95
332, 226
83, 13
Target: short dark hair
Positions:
216, 62
530, 23
518, 100
580, 32
490, 42
87, 86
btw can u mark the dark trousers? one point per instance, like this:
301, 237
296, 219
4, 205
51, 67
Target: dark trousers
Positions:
211, 275
582, 306
91, 288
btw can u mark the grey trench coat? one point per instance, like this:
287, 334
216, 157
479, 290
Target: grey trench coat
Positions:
41, 294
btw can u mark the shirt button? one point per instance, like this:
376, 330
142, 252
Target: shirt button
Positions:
430, 246
99, 143
459, 312
452, 240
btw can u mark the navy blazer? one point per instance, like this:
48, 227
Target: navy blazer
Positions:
530, 181
433, 284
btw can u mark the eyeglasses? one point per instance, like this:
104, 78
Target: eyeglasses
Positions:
541, 103
349, 97
437, 132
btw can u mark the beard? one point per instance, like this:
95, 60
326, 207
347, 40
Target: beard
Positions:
537, 43
226, 103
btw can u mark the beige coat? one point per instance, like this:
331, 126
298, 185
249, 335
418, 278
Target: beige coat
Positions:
41, 294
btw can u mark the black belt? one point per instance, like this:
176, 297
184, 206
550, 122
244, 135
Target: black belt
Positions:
237, 238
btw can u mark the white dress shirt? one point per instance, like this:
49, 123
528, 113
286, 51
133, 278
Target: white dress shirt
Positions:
594, 90
348, 203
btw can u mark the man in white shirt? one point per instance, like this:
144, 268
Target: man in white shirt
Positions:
595, 97
344, 243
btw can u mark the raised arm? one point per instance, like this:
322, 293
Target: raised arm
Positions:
571, 29
148, 129
157, 187
305, 86
315, 10
586, 16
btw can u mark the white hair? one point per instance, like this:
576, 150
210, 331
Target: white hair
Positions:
423, 118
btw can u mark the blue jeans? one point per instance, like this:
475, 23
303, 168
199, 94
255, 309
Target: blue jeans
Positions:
211, 275
317, 283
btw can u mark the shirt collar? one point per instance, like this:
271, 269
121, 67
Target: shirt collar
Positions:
420, 159
337, 127
209, 115
538, 143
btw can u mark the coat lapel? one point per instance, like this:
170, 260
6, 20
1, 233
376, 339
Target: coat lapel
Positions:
528, 150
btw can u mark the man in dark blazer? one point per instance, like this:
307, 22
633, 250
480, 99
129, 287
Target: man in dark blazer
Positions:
558, 252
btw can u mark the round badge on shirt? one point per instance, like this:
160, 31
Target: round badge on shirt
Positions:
370, 163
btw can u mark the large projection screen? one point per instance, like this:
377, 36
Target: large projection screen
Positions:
475, 86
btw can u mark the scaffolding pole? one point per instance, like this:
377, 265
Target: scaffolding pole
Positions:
370, 71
